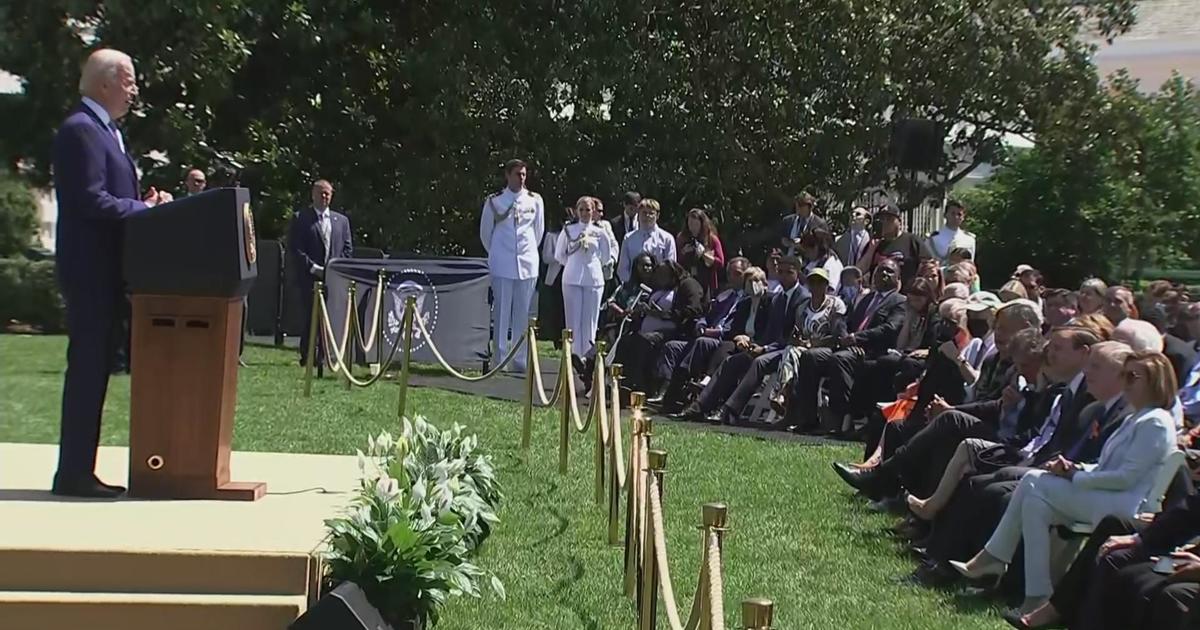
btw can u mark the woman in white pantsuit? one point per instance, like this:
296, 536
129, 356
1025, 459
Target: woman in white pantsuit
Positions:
1065, 492
584, 248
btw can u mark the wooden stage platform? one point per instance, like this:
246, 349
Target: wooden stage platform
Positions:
133, 564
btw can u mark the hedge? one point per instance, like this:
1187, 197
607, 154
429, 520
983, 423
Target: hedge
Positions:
29, 294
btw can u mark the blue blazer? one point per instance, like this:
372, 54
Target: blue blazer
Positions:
97, 186
305, 247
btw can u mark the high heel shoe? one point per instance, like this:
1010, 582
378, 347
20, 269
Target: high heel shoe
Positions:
992, 568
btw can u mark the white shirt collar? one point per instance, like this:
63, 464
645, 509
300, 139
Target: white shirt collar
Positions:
1075, 383
324, 214
788, 293
98, 110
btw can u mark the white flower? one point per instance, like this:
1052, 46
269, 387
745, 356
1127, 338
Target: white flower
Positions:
387, 488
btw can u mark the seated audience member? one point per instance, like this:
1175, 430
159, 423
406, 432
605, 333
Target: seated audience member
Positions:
881, 378
1112, 584
1031, 279
978, 456
746, 325
920, 450
930, 270
1181, 353
944, 378
816, 250
1014, 290
739, 376
873, 327
1059, 307
851, 245
1189, 324
714, 326
981, 316
1066, 492
772, 269
671, 311
962, 273
851, 286
956, 290
1119, 304
618, 318
960, 255
700, 250
821, 324
1097, 322
1091, 296
894, 244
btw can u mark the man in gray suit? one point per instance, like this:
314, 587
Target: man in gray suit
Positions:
851, 246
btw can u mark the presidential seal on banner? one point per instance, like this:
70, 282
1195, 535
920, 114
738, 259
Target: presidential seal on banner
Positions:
401, 285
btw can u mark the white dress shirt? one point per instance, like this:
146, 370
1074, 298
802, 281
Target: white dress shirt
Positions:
946, 239
1052, 420
511, 227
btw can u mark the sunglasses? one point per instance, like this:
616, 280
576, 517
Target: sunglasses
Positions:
1131, 377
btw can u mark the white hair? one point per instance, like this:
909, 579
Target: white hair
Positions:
102, 65
1140, 335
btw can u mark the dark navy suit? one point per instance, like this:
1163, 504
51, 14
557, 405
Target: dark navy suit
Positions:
97, 186
305, 249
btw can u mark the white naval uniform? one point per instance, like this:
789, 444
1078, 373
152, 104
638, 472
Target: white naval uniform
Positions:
511, 228
583, 249
946, 239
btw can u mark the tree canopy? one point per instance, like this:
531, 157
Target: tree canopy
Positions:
409, 108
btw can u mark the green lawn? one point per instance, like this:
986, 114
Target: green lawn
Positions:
797, 536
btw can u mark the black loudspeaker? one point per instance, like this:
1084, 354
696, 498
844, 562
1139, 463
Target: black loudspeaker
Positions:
263, 308
343, 608
916, 144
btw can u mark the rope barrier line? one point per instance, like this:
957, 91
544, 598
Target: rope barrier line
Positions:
660, 552
437, 354
618, 447
375, 319
334, 347
715, 580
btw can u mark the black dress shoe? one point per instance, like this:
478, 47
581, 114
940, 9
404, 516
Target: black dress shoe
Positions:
1013, 617
692, 413
862, 480
86, 486
933, 574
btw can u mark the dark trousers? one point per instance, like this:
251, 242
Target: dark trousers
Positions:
880, 379
1072, 591
637, 352
93, 313
671, 353
1125, 592
920, 457
839, 368
737, 379
969, 519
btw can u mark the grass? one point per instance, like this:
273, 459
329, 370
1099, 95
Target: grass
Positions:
797, 536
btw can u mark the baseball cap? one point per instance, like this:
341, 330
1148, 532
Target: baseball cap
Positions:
983, 301
888, 208
1022, 269
819, 272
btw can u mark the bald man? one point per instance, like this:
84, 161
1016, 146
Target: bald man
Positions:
195, 182
97, 188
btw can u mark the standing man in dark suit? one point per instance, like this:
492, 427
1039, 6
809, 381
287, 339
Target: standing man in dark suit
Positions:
316, 236
627, 221
796, 225
96, 184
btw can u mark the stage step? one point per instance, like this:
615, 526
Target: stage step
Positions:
184, 572
24, 610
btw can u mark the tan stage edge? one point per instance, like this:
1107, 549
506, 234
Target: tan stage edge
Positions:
139, 564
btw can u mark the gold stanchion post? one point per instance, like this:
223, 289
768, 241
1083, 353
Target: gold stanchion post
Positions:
614, 483
310, 353
642, 428
599, 399
648, 594
352, 340
757, 613
564, 421
410, 307
527, 419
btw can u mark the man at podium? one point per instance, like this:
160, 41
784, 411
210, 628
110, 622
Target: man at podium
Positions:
96, 184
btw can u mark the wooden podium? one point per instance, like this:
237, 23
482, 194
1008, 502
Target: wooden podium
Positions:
188, 265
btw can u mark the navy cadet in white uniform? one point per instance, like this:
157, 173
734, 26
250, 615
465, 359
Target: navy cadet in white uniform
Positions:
511, 229
584, 248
